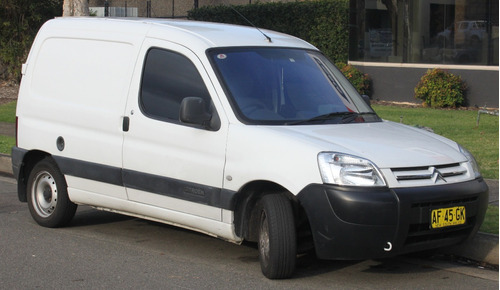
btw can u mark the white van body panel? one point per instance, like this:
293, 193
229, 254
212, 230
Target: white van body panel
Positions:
266, 151
371, 141
246, 146
85, 101
76, 183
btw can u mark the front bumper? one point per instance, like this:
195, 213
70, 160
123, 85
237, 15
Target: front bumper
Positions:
363, 223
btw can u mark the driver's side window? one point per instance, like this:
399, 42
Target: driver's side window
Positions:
168, 77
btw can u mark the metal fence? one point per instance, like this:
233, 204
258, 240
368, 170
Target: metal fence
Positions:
114, 11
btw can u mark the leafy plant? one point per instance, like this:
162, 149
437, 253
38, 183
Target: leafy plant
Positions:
358, 79
439, 88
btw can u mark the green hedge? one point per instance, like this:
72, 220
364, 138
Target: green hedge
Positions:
19, 23
322, 23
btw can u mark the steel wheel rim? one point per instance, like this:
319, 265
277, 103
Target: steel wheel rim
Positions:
264, 240
44, 194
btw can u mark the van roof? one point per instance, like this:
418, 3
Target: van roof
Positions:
193, 34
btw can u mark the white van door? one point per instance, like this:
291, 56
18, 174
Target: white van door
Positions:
166, 163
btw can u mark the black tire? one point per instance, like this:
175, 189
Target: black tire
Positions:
48, 199
277, 237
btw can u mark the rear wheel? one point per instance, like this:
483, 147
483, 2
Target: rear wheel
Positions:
277, 237
48, 199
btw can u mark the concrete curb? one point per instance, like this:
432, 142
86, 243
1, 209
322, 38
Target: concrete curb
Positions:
482, 248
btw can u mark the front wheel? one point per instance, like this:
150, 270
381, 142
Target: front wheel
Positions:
48, 199
277, 237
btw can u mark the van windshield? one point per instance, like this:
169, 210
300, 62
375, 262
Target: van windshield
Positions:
288, 87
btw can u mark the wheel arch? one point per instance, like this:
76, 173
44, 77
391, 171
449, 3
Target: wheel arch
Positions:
29, 160
246, 213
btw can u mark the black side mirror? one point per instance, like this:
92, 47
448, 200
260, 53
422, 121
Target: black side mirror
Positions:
194, 111
367, 99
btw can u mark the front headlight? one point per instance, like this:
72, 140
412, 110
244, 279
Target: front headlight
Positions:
472, 161
343, 169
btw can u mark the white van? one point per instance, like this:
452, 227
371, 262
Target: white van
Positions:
239, 133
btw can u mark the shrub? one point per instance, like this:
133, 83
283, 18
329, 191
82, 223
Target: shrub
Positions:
359, 80
439, 88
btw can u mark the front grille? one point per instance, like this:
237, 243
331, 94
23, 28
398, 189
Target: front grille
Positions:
450, 203
429, 175
420, 233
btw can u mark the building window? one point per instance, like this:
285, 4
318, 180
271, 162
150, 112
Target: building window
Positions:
424, 31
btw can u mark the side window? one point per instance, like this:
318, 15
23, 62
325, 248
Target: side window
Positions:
167, 78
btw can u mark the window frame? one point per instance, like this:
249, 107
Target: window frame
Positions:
211, 107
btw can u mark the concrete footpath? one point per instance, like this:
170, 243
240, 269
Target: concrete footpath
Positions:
482, 248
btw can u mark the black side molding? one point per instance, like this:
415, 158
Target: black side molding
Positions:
162, 185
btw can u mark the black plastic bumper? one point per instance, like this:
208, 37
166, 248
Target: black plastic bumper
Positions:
362, 223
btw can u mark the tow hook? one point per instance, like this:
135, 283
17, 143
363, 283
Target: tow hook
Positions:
389, 247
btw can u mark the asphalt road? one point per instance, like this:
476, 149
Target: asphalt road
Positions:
109, 251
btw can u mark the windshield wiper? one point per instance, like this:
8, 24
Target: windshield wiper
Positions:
345, 117
325, 117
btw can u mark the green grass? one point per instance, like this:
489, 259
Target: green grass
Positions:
7, 115
8, 112
490, 224
6, 144
457, 125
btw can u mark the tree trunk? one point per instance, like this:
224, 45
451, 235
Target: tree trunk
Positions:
75, 8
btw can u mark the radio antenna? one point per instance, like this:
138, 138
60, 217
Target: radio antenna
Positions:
241, 15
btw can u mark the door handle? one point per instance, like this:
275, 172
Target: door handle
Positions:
126, 124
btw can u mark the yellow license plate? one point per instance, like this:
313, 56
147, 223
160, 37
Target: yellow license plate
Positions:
445, 217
